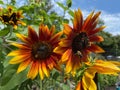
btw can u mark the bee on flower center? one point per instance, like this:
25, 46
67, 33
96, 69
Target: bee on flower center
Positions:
41, 50
79, 43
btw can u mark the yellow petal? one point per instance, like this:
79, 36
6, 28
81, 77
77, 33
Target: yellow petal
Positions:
23, 38
18, 59
78, 20
14, 53
41, 72
65, 43
69, 65
22, 46
78, 87
33, 70
45, 69
23, 65
106, 67
67, 29
15, 27
66, 55
92, 85
59, 50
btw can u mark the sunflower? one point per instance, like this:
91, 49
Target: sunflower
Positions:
99, 66
9, 16
36, 51
79, 41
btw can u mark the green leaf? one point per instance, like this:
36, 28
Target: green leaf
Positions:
65, 87
4, 32
69, 3
1, 2
71, 13
9, 71
12, 79
62, 6
1, 69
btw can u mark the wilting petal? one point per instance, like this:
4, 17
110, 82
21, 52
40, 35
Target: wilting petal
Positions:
96, 39
33, 70
23, 65
95, 48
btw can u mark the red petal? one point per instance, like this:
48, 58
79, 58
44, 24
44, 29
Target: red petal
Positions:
32, 34
96, 49
96, 39
78, 20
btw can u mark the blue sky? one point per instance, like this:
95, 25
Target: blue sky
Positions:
110, 11
111, 6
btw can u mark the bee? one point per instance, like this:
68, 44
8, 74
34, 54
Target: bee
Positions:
79, 53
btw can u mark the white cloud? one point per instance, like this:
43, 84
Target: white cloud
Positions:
112, 21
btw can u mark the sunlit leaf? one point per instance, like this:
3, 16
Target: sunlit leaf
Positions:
1, 2
69, 3
4, 32
11, 79
62, 6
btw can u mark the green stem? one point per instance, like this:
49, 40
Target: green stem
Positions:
41, 85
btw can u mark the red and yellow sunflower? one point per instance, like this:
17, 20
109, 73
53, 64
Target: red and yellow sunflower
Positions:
99, 66
36, 51
79, 41
9, 16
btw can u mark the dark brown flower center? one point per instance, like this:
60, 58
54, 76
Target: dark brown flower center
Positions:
80, 42
5, 18
41, 50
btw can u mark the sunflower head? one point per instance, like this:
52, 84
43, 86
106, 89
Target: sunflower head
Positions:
9, 16
36, 50
80, 40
